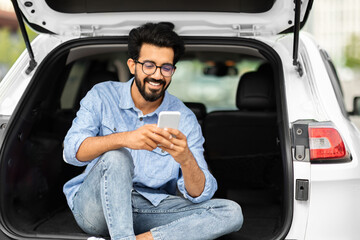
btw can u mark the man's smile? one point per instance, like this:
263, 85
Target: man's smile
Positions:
154, 84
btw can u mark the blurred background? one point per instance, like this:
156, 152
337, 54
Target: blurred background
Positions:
335, 24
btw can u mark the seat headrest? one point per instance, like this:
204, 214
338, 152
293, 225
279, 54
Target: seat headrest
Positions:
199, 109
256, 91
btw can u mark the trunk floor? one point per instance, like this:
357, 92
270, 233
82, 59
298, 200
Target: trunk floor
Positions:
260, 222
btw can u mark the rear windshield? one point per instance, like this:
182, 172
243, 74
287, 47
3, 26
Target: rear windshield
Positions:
96, 6
210, 78
212, 83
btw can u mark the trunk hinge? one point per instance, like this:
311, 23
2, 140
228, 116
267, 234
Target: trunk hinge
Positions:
296, 61
300, 137
32, 63
246, 30
87, 30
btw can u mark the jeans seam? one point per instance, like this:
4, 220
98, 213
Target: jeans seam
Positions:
107, 199
86, 177
137, 210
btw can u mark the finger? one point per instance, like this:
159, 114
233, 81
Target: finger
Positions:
173, 147
164, 133
168, 150
160, 140
148, 127
179, 142
176, 133
161, 133
148, 140
146, 147
151, 144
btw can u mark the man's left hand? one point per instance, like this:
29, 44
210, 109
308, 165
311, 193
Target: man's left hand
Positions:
175, 143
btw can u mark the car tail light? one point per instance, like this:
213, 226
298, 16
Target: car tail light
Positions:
326, 144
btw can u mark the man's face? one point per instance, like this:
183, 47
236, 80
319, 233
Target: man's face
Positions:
152, 87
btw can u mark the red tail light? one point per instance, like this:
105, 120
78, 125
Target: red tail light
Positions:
326, 144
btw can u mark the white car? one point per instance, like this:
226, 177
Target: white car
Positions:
277, 135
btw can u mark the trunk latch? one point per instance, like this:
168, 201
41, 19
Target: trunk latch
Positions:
302, 190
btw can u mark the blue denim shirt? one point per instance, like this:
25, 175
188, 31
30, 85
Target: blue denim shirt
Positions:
108, 108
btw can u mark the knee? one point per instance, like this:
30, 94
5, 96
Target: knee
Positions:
120, 158
236, 214
232, 212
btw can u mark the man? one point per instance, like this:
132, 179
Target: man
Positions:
128, 189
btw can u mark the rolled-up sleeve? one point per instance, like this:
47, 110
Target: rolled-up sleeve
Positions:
195, 143
86, 124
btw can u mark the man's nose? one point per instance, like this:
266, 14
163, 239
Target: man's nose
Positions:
157, 74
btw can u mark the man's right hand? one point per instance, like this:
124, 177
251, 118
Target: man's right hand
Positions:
146, 137
141, 138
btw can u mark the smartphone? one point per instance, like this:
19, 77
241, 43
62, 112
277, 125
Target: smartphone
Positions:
169, 119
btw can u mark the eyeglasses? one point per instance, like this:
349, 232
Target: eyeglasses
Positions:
149, 68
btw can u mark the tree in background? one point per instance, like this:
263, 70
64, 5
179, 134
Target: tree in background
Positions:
352, 52
12, 45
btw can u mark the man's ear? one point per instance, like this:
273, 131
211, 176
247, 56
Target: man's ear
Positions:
131, 65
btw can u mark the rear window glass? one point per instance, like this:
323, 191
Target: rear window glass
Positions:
210, 78
335, 81
211, 83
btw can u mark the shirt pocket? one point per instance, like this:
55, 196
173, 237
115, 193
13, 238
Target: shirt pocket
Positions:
159, 165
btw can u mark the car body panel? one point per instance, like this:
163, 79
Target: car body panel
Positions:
16, 80
279, 18
324, 178
332, 210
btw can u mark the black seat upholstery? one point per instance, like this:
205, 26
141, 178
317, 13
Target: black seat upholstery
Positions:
94, 78
233, 139
199, 109
252, 129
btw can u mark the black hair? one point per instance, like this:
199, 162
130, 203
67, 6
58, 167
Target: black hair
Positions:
159, 34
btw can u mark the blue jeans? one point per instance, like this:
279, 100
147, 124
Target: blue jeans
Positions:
107, 205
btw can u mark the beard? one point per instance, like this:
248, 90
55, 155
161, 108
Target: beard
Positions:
153, 95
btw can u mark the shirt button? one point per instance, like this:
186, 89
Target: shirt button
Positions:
141, 118
162, 151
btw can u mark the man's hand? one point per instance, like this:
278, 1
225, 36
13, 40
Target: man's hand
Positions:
175, 143
141, 138
147, 137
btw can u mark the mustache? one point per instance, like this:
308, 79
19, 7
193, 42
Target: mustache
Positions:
147, 79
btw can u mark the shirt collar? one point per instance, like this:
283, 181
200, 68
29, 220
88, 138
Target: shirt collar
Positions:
127, 102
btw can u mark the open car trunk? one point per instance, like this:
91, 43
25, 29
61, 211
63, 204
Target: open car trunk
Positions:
252, 167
